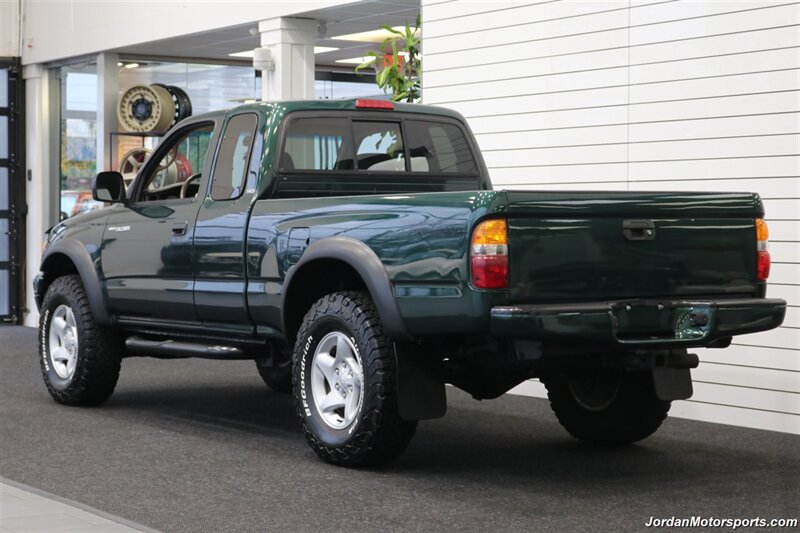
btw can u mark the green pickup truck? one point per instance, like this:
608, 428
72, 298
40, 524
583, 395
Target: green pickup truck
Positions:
357, 252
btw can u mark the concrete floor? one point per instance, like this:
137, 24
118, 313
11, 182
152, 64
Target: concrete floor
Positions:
203, 445
25, 511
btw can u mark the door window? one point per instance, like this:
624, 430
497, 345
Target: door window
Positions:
179, 168
233, 158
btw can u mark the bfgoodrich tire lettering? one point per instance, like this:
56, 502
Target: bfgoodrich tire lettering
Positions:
372, 432
627, 412
95, 362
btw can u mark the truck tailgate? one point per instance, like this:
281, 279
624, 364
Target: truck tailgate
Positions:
596, 246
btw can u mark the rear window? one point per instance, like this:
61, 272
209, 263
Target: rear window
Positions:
438, 147
418, 146
317, 144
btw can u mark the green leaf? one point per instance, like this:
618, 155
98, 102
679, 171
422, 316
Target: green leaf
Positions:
392, 30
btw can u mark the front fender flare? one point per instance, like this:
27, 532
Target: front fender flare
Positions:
366, 263
79, 255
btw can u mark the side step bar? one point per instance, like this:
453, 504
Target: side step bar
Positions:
169, 349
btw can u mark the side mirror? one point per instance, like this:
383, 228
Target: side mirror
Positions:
108, 186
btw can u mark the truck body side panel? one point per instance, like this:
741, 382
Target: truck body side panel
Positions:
422, 240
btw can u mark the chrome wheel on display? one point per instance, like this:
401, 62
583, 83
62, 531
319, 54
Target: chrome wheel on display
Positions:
142, 108
337, 380
131, 162
63, 342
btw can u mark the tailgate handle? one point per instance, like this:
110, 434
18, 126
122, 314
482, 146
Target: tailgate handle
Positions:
639, 230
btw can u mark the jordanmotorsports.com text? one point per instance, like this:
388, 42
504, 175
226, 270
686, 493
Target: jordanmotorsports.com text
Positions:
731, 523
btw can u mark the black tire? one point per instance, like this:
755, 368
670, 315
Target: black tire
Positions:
377, 434
98, 351
277, 378
623, 409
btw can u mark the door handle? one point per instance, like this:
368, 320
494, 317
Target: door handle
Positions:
179, 228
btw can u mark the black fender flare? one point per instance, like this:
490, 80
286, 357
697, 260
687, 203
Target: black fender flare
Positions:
79, 255
366, 263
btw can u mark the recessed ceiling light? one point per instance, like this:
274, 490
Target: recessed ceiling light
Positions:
132, 65
317, 50
373, 36
355, 60
119, 63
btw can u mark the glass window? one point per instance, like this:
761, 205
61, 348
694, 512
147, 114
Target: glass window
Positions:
178, 171
230, 169
438, 147
317, 144
380, 146
78, 158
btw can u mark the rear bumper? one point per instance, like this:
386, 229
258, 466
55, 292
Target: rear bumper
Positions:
639, 323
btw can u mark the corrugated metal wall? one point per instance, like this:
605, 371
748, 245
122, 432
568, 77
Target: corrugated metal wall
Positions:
677, 95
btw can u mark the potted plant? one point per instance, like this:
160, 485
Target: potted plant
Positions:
398, 64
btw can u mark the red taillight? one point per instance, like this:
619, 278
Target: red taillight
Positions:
764, 261
489, 255
490, 271
374, 104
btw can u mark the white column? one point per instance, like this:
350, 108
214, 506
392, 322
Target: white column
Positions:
41, 164
107, 95
291, 41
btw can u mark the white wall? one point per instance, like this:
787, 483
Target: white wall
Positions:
645, 96
9, 29
54, 29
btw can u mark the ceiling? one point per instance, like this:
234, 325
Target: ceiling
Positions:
339, 20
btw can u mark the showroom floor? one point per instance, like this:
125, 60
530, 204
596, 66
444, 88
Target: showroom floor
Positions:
203, 445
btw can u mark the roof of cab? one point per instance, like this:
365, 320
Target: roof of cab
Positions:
286, 106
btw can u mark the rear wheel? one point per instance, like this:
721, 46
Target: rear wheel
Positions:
606, 406
345, 385
80, 360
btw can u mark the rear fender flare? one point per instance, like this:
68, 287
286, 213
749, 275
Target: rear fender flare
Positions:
366, 263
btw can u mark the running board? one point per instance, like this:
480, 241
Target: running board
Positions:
170, 349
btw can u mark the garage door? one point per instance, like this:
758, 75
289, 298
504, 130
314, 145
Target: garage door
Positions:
11, 183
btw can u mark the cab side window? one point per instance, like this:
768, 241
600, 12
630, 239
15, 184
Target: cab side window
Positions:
233, 157
180, 165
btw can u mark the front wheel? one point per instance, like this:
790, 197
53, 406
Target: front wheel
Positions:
606, 406
80, 360
345, 383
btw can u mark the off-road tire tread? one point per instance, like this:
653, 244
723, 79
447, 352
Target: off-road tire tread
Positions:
382, 434
99, 360
635, 414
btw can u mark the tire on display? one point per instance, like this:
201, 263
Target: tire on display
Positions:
80, 361
345, 387
608, 407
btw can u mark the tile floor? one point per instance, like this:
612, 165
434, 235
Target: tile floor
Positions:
23, 511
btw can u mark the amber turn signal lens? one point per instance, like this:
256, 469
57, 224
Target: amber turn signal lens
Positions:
762, 232
490, 232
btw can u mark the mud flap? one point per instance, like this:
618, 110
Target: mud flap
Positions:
420, 386
672, 383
